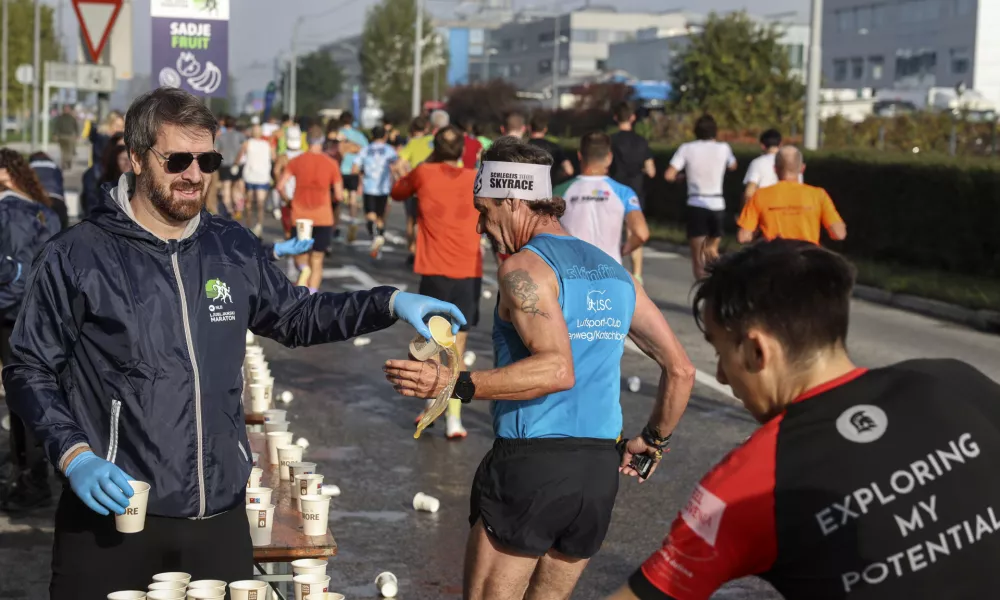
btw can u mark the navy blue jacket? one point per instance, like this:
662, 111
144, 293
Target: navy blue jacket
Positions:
134, 346
51, 177
25, 226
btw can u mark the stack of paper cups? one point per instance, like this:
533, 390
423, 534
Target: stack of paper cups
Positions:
250, 338
310, 584
309, 566
184, 578
258, 398
300, 468
261, 519
177, 594
275, 414
309, 484
315, 514
256, 474
268, 382
287, 454
161, 586
270, 426
127, 595
260, 496
274, 441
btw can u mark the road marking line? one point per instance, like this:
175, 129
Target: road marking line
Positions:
363, 281
700, 376
654, 253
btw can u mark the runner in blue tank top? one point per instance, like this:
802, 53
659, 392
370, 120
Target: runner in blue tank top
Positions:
542, 498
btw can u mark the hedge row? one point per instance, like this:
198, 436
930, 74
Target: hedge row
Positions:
920, 211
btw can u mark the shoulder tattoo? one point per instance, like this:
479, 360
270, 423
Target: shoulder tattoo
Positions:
522, 287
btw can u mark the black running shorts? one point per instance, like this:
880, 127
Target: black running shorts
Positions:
411, 207
351, 182
322, 236
702, 222
463, 293
230, 173
538, 494
375, 204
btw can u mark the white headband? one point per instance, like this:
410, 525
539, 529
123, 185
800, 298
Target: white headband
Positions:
524, 181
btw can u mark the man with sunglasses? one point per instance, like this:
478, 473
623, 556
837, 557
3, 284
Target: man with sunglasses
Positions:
127, 360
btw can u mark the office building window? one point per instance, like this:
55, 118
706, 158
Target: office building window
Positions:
863, 17
845, 19
961, 8
507, 45
857, 68
546, 37
876, 67
960, 63
583, 35
840, 69
515, 69
910, 63
544, 67
621, 36
878, 16
917, 11
796, 55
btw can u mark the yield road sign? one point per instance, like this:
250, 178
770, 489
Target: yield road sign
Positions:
97, 18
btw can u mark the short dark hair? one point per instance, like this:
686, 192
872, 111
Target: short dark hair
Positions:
152, 110
513, 120
419, 123
378, 132
594, 147
449, 144
770, 138
38, 156
705, 128
623, 112
795, 290
285, 117
539, 121
513, 150
346, 118
469, 125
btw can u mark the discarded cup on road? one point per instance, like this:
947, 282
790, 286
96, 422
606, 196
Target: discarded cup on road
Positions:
310, 584
325, 596
276, 440
309, 484
127, 595
426, 503
259, 496
303, 442
634, 383
258, 399
256, 474
300, 468
261, 519
469, 358
304, 231
275, 414
177, 594
330, 490
309, 566
441, 336
173, 576
207, 594
270, 426
387, 584
287, 396
315, 514
287, 454
248, 589
134, 519
167, 585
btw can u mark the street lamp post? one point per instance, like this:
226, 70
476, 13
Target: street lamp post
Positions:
811, 140
489, 52
555, 64
294, 68
418, 48
3, 76
38, 75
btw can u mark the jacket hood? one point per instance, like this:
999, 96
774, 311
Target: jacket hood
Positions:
114, 214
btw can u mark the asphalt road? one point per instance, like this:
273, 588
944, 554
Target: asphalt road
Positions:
360, 434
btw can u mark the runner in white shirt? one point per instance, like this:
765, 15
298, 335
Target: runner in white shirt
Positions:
761, 173
259, 156
597, 207
704, 163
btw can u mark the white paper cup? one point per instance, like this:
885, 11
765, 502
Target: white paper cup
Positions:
207, 594
303, 231
325, 596
315, 514
134, 518
261, 520
256, 474
167, 585
287, 454
426, 503
306, 585
258, 399
248, 589
268, 382
202, 584
249, 338
300, 468
275, 414
276, 440
173, 576
255, 350
309, 484
260, 496
256, 459
127, 595
441, 336
309, 566
272, 426
166, 594
387, 584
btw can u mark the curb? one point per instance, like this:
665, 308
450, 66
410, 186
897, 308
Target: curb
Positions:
983, 320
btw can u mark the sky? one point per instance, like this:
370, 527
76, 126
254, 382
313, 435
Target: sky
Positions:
259, 30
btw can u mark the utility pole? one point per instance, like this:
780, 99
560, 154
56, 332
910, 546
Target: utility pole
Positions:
35, 100
3, 67
294, 68
555, 64
811, 141
418, 43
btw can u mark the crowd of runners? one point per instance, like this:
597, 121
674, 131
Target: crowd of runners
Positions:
858, 484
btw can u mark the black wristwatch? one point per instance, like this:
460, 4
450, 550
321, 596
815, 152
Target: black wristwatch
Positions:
465, 390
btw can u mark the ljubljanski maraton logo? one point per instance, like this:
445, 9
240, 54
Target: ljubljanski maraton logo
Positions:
863, 423
217, 291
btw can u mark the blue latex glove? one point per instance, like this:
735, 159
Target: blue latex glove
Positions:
293, 247
101, 485
415, 309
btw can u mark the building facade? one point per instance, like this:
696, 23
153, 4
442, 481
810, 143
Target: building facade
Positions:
912, 44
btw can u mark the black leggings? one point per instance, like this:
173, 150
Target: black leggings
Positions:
24, 452
90, 559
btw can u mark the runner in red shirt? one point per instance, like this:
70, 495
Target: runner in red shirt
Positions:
860, 484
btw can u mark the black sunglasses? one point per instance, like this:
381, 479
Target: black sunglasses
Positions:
178, 162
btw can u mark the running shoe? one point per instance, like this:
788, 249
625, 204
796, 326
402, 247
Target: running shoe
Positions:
639, 279
377, 243
258, 230
454, 429
277, 214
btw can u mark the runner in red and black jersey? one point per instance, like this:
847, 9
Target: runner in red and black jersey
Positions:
860, 484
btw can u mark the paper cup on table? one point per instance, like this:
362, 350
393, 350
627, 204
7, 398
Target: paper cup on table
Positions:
256, 459
261, 519
269, 388
426, 503
387, 584
325, 596
271, 426
310, 584
300, 468
249, 338
248, 589
134, 518
441, 336
309, 566
309, 484
172, 576
256, 474
207, 584
258, 399
166, 594
207, 594
259, 496
275, 414
167, 585
127, 595
276, 440
304, 230
287, 454
315, 514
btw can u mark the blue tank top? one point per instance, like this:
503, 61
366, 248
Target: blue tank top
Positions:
597, 298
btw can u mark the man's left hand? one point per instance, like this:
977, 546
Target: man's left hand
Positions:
415, 378
635, 446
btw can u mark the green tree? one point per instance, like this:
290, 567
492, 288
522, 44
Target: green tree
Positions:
318, 81
737, 70
21, 48
387, 55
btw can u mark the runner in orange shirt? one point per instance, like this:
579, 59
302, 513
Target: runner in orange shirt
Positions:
790, 209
